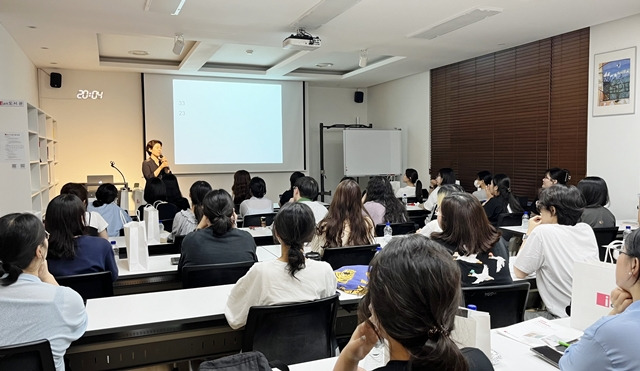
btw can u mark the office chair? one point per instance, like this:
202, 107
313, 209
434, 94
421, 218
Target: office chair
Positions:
505, 303
509, 219
339, 257
397, 228
253, 220
604, 236
214, 274
33, 356
293, 333
89, 285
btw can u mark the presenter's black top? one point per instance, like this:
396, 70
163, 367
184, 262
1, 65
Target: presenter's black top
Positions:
202, 247
149, 167
477, 361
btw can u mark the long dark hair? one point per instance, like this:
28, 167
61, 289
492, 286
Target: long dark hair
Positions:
198, 190
465, 226
448, 175
106, 194
346, 207
503, 183
419, 315
412, 175
64, 221
173, 188
595, 191
218, 207
379, 190
294, 225
155, 190
20, 236
240, 187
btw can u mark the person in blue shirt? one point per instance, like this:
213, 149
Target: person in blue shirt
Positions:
106, 206
612, 342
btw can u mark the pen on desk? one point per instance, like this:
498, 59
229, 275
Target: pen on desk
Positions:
564, 344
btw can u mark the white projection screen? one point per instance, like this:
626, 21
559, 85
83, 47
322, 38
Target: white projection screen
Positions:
218, 125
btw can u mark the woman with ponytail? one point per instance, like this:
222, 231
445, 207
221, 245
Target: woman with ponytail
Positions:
412, 299
187, 220
32, 304
289, 279
414, 186
216, 239
501, 199
106, 206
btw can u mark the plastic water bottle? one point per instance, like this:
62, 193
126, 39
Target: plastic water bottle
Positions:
404, 199
625, 234
116, 249
525, 220
388, 232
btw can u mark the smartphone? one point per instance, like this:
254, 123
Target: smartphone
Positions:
175, 260
548, 354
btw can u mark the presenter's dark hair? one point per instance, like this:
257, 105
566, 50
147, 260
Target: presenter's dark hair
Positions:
106, 194
152, 143
294, 225
503, 182
562, 176
379, 190
240, 188
595, 191
307, 187
412, 175
217, 206
64, 221
258, 187
198, 190
294, 178
420, 316
448, 175
75, 189
567, 201
20, 236
465, 226
155, 190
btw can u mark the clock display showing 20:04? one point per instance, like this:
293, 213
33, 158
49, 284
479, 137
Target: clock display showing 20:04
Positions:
86, 94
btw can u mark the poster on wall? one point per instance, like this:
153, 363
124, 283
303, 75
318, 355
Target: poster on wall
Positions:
614, 82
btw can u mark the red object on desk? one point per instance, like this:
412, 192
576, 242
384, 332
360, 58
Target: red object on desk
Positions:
411, 204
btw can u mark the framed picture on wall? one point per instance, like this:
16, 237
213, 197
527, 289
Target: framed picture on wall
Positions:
614, 82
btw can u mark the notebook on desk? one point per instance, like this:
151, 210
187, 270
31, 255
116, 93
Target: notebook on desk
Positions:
590, 297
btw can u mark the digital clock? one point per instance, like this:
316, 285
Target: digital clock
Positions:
89, 94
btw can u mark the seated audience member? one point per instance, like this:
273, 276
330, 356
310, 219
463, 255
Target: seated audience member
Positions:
554, 242
476, 245
96, 223
71, 251
257, 204
217, 240
240, 187
412, 300
381, 204
187, 220
155, 194
433, 226
445, 176
554, 176
174, 196
501, 199
32, 304
347, 223
609, 344
288, 194
596, 195
289, 279
414, 186
106, 206
306, 191
481, 183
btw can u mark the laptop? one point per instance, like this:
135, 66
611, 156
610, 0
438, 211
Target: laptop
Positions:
590, 297
94, 181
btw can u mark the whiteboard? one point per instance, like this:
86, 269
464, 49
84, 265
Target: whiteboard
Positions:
372, 152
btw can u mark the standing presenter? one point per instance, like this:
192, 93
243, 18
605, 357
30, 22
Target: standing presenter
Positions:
156, 165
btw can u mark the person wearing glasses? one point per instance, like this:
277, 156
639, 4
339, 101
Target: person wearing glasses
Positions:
32, 304
555, 241
611, 342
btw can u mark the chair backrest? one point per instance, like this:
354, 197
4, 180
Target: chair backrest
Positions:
505, 303
509, 219
397, 228
214, 274
253, 220
604, 236
89, 285
35, 355
293, 333
349, 255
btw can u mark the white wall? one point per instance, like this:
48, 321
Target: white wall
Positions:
18, 77
613, 148
405, 103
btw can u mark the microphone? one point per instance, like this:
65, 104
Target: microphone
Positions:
113, 165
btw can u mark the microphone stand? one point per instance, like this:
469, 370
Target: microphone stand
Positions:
124, 192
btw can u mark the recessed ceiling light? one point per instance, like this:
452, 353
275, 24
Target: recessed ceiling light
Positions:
249, 51
502, 44
32, 27
44, 47
138, 52
324, 64
54, 62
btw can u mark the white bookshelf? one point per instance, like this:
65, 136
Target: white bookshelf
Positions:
28, 158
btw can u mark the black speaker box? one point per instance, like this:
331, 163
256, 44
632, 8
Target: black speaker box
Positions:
358, 97
56, 80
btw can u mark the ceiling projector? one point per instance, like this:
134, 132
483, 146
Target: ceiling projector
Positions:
301, 41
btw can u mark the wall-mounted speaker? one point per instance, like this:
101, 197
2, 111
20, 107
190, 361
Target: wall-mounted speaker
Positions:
55, 80
358, 97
